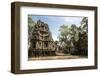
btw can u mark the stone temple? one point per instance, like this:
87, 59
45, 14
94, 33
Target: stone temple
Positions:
41, 41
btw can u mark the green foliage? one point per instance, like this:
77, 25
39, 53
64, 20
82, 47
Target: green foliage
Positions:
84, 24
74, 32
68, 34
64, 36
31, 24
72, 35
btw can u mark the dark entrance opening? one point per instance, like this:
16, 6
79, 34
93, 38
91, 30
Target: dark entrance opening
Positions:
34, 44
46, 44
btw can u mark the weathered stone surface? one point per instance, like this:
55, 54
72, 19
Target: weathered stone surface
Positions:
41, 40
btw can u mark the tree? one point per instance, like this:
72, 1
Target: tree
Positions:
84, 24
83, 37
31, 24
74, 37
64, 35
68, 36
74, 34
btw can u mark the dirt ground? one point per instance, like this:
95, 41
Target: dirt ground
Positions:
56, 57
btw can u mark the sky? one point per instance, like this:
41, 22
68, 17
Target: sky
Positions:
54, 22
